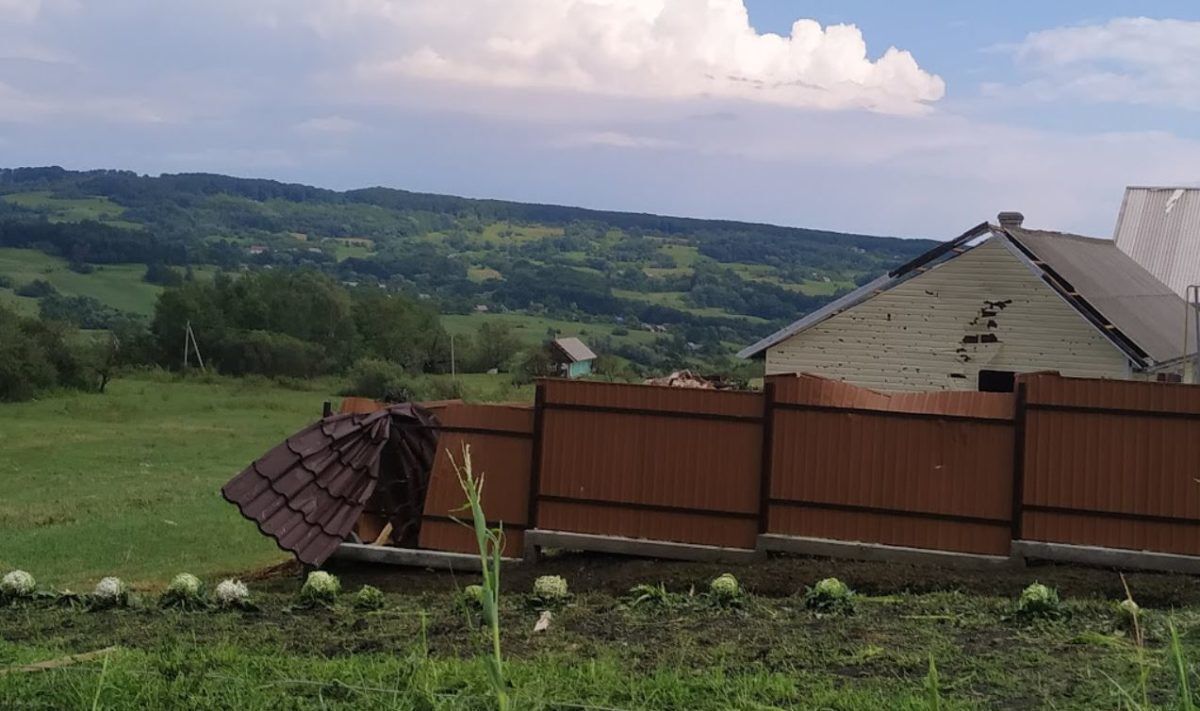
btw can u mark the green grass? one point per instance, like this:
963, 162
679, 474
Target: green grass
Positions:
674, 299
482, 274
422, 651
100, 209
127, 482
117, 285
685, 255
531, 330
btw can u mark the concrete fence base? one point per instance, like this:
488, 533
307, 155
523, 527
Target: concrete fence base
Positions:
1107, 557
537, 539
857, 550
441, 560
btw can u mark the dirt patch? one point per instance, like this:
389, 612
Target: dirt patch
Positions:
784, 576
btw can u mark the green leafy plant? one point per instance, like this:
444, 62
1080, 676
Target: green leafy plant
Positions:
650, 596
491, 546
725, 589
320, 589
830, 597
933, 689
369, 598
550, 591
1039, 602
186, 592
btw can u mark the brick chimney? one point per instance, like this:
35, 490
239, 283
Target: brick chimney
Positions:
1010, 219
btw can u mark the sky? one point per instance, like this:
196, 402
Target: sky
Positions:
914, 118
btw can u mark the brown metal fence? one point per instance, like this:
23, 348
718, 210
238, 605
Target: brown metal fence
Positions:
642, 461
1111, 463
1088, 462
932, 470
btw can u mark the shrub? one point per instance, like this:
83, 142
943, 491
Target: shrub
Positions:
725, 588
110, 592
17, 585
320, 588
185, 591
232, 593
830, 596
550, 590
381, 380
36, 289
1039, 602
269, 353
369, 598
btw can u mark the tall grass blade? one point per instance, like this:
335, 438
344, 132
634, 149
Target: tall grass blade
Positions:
932, 688
1186, 702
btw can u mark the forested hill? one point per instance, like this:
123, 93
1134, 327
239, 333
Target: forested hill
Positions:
706, 284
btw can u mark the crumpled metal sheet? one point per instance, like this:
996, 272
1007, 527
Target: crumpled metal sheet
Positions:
307, 492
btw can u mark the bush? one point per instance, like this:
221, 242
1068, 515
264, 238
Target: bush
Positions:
830, 596
36, 289
267, 353
380, 380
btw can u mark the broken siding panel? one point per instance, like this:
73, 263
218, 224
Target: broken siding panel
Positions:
981, 310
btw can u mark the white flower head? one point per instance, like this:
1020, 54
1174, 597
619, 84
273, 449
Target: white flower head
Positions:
18, 583
110, 590
185, 585
232, 593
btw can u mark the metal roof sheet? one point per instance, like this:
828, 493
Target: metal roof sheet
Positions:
574, 349
1129, 297
1160, 229
1128, 304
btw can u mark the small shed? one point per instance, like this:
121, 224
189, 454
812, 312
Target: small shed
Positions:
572, 356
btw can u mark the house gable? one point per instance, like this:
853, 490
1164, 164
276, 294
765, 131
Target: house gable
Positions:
982, 310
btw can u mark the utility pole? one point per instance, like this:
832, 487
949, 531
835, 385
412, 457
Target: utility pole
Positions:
453, 369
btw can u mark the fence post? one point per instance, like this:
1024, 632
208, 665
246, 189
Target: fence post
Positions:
768, 434
1018, 480
327, 409
535, 467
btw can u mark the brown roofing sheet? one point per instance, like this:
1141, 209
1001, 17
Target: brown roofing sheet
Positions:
307, 492
815, 390
1147, 311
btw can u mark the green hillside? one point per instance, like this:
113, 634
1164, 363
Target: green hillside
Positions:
653, 288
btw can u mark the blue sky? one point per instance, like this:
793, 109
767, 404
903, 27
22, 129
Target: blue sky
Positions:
709, 108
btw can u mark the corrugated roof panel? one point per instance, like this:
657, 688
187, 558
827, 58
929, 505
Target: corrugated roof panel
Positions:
1160, 229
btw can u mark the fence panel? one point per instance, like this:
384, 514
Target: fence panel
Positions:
637, 461
923, 470
1112, 463
501, 439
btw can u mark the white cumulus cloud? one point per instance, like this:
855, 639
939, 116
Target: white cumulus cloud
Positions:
662, 49
1133, 60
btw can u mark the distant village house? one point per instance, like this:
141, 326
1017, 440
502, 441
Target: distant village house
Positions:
572, 358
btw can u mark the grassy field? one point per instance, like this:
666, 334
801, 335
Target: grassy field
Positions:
100, 209
117, 285
532, 330
127, 484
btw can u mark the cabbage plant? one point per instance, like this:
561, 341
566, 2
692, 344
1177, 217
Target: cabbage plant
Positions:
185, 591
232, 594
320, 588
550, 590
17, 585
830, 596
725, 588
1039, 602
110, 592
369, 598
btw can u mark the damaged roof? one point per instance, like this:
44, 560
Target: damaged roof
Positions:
308, 492
1159, 227
1138, 313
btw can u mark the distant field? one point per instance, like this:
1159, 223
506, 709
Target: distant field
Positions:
674, 299
100, 209
506, 232
117, 285
532, 329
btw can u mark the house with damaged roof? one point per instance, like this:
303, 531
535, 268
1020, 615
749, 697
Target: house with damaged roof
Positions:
998, 300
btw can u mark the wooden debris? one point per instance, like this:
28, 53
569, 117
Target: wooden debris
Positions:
56, 663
